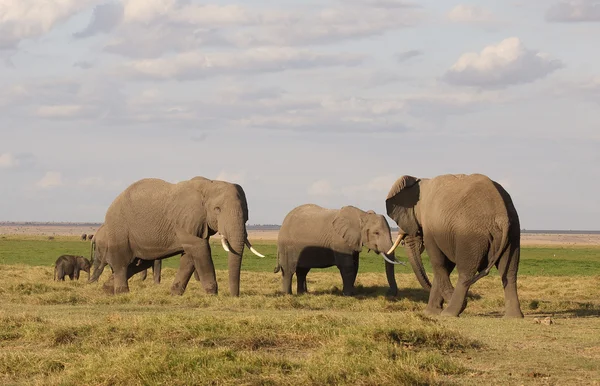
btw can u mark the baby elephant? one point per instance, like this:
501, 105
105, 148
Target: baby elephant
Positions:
70, 265
315, 237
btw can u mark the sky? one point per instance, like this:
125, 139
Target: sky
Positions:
324, 102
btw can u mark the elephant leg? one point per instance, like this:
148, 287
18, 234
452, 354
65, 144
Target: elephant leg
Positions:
286, 279
508, 267
301, 273
441, 286
144, 274
355, 261
184, 273
458, 301
71, 276
60, 273
199, 250
345, 264
156, 271
76, 274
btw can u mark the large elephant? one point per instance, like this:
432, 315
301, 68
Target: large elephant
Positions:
315, 237
467, 221
154, 219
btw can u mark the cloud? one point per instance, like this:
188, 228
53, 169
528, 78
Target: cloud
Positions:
16, 161
379, 185
574, 11
233, 177
105, 18
50, 180
320, 188
83, 65
506, 63
470, 14
25, 19
406, 55
193, 65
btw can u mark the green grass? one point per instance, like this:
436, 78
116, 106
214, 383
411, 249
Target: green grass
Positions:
71, 333
544, 261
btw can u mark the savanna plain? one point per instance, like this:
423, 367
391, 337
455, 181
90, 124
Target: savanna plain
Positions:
73, 333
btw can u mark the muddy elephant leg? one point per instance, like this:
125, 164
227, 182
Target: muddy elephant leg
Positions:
183, 275
143, 275
508, 267
301, 273
156, 270
199, 252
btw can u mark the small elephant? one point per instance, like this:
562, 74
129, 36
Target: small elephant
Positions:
70, 265
83, 236
89, 237
156, 269
464, 221
315, 237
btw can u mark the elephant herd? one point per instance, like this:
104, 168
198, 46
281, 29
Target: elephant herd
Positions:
463, 221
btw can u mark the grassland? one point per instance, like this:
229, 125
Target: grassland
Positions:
72, 333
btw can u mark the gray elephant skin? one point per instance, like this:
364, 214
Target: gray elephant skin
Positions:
70, 265
464, 221
315, 237
153, 219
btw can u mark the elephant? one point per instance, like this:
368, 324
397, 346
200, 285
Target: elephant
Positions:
99, 263
89, 237
315, 237
156, 268
463, 221
154, 219
70, 265
83, 236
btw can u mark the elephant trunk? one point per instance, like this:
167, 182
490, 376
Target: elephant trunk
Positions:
234, 262
414, 248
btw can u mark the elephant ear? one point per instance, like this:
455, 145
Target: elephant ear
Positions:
347, 225
401, 183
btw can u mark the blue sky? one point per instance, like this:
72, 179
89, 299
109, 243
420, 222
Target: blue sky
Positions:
326, 102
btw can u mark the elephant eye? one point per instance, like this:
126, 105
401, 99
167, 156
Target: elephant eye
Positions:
376, 233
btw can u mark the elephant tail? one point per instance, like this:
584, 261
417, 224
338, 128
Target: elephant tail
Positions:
278, 267
505, 226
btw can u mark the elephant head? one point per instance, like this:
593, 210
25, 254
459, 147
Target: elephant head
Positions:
364, 229
227, 213
402, 205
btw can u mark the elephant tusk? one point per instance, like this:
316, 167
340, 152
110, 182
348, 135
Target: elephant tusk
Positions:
391, 261
253, 250
224, 243
400, 238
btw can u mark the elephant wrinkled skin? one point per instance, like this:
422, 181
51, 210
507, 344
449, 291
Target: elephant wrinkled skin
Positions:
467, 221
153, 219
315, 237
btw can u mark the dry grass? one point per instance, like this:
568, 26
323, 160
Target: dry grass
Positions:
72, 333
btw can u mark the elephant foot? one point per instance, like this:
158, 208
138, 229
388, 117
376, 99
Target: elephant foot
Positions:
212, 289
177, 289
392, 292
513, 314
448, 313
432, 310
122, 290
109, 289
347, 293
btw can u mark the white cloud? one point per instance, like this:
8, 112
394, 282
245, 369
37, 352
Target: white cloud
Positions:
8, 161
506, 63
574, 11
193, 65
470, 14
320, 188
233, 177
378, 186
50, 180
60, 111
24, 19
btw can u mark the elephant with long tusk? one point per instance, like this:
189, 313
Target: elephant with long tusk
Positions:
153, 219
315, 237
